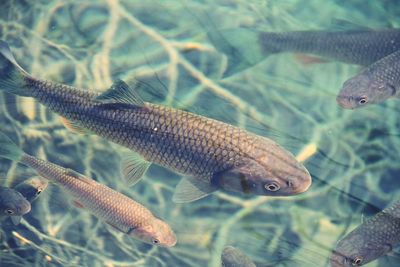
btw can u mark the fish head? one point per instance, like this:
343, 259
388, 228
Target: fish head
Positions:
14, 203
156, 233
363, 90
267, 170
354, 250
32, 187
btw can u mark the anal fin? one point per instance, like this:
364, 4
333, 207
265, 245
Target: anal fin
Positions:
309, 60
16, 219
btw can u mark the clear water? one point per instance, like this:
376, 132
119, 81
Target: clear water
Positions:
89, 44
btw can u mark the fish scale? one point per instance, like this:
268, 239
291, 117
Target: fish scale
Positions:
168, 146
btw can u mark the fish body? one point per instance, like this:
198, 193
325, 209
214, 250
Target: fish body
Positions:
361, 47
245, 47
116, 209
233, 257
32, 188
13, 204
372, 239
375, 84
211, 154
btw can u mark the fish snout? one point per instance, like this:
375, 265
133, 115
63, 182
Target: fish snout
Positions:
170, 241
302, 185
344, 102
25, 207
337, 260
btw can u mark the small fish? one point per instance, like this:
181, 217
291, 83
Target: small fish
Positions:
372, 239
211, 155
13, 204
32, 188
375, 84
362, 46
233, 257
116, 209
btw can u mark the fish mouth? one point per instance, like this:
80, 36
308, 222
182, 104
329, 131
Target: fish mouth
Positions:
305, 183
170, 242
336, 260
343, 102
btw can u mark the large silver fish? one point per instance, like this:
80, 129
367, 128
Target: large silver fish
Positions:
372, 239
211, 154
118, 210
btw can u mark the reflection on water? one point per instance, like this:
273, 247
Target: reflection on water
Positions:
352, 155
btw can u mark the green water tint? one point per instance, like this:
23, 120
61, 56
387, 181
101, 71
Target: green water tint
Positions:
92, 44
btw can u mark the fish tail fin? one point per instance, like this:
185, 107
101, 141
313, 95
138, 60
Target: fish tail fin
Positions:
8, 149
12, 76
242, 46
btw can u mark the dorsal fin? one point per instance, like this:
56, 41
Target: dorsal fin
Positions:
345, 25
80, 177
120, 92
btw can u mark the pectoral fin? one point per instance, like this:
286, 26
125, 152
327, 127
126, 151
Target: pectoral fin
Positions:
191, 189
120, 92
133, 167
309, 60
115, 227
77, 204
16, 219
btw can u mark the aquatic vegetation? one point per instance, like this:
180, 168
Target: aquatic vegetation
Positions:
89, 44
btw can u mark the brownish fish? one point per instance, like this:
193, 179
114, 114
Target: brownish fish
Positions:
118, 210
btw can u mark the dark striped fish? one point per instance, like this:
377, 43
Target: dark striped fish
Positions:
233, 257
12, 204
375, 84
246, 47
372, 239
116, 209
211, 154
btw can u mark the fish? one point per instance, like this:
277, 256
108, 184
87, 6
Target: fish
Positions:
31, 188
247, 47
13, 204
375, 84
210, 154
233, 257
116, 209
372, 239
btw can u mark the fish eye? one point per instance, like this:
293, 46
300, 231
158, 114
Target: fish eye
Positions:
39, 191
155, 241
356, 261
363, 100
272, 187
9, 211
